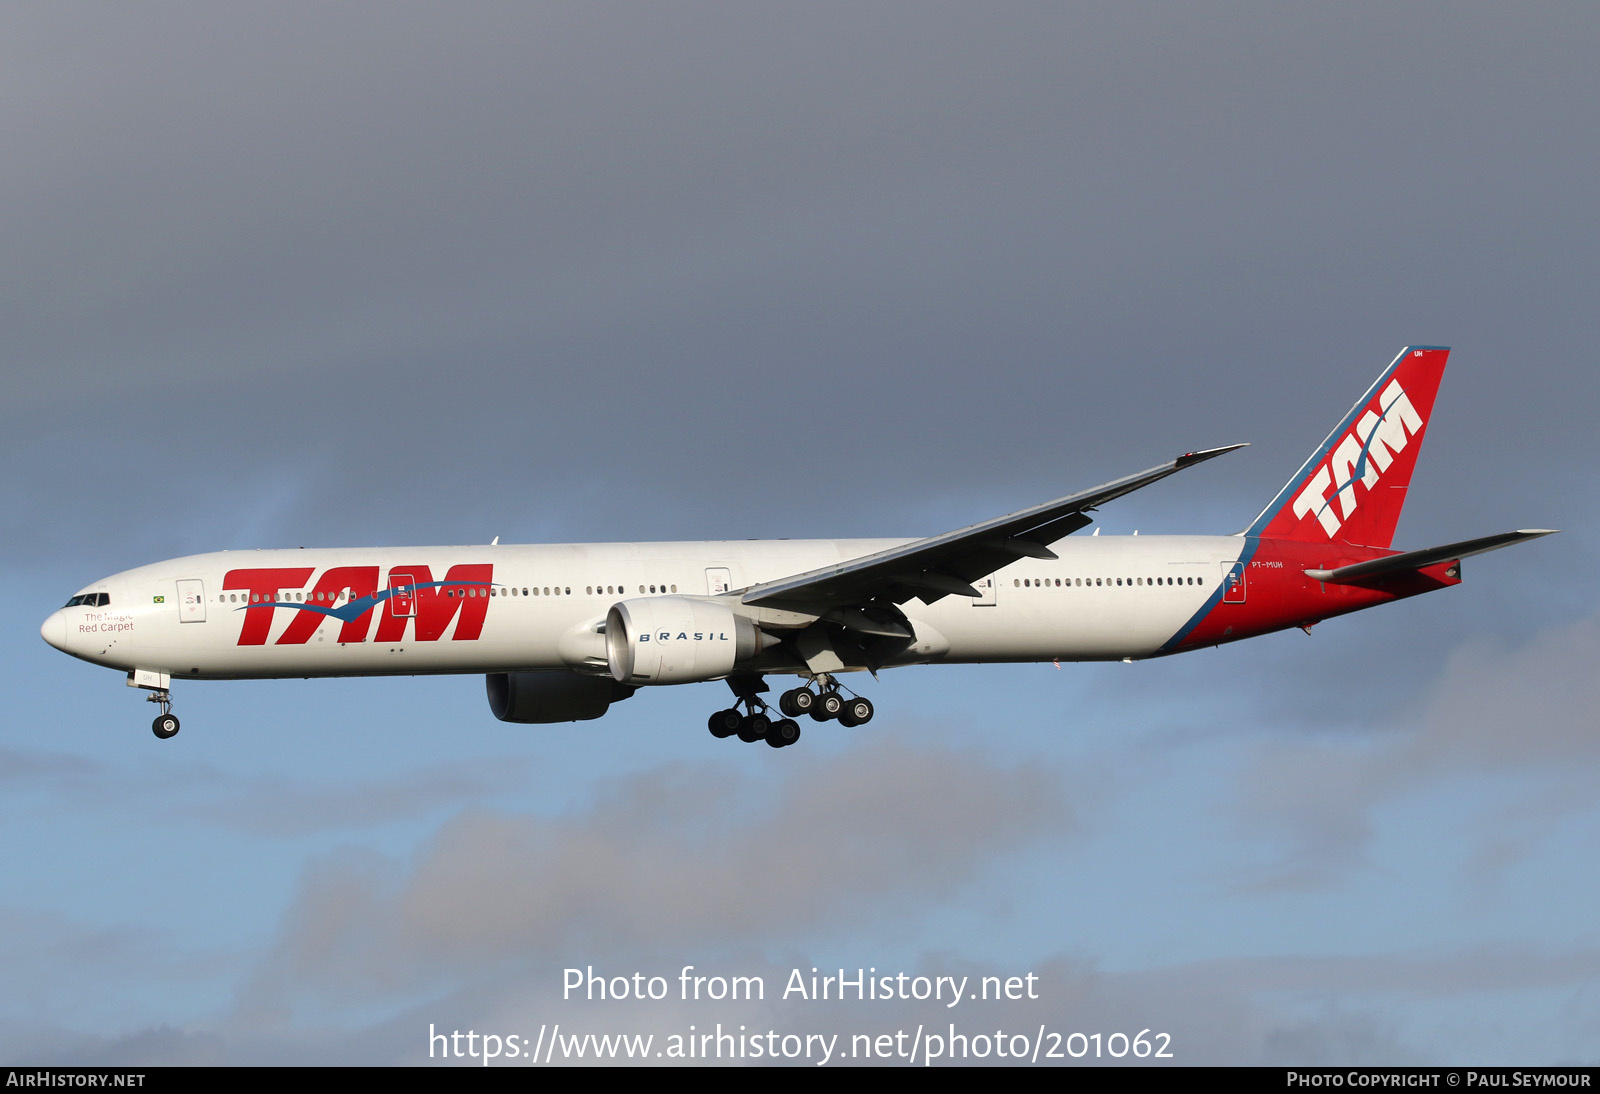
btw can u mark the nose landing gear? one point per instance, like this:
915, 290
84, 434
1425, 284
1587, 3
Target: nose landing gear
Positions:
166, 724
155, 682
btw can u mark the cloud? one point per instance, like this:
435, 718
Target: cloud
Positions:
25, 768
1375, 1009
1532, 711
678, 857
1535, 706
265, 805
285, 808
158, 1046
129, 963
687, 864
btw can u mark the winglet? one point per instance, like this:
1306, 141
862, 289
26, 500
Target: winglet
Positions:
1189, 459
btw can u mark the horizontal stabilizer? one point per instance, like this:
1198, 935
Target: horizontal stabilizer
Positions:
1410, 561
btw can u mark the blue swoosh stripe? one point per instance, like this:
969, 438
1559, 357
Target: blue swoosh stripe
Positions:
355, 609
1252, 545
1359, 471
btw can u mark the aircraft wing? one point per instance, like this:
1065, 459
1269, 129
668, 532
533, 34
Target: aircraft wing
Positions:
929, 569
1409, 561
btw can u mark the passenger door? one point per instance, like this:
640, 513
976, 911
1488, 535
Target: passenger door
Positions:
191, 600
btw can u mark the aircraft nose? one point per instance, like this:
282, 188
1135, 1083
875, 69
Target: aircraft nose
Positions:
54, 630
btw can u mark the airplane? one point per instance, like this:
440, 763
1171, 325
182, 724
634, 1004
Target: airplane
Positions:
560, 632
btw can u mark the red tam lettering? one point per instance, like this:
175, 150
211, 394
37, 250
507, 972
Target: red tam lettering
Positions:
359, 581
434, 608
262, 587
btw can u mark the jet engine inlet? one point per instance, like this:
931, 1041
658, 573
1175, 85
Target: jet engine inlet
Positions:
677, 640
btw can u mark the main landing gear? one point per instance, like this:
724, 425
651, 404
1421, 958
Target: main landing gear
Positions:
755, 722
166, 724
826, 703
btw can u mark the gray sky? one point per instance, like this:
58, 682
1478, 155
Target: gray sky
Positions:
385, 274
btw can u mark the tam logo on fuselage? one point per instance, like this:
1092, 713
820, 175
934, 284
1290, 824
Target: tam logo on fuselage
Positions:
350, 593
1364, 453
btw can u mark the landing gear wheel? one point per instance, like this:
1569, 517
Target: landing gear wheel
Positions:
797, 702
725, 723
830, 704
856, 712
783, 733
753, 728
165, 726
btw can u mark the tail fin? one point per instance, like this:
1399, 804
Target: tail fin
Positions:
1352, 488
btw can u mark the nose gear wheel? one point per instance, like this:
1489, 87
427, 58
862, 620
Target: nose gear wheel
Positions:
166, 724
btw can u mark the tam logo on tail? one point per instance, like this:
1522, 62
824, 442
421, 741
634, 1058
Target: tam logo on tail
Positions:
1373, 448
1362, 456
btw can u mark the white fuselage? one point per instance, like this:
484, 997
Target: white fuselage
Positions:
537, 607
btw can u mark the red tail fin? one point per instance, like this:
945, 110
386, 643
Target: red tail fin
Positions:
1353, 487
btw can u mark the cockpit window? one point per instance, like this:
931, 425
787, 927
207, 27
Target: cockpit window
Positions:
89, 600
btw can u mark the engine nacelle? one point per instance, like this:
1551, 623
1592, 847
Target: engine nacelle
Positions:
551, 696
677, 640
